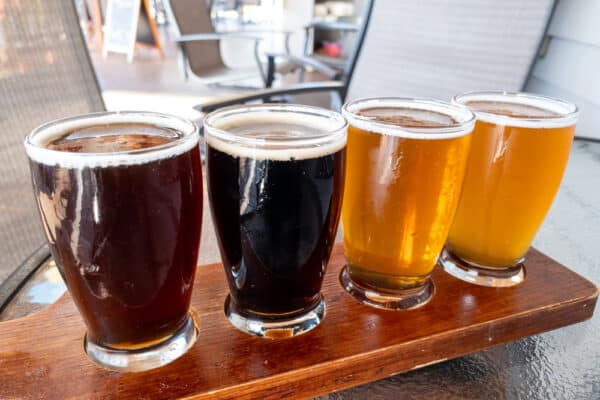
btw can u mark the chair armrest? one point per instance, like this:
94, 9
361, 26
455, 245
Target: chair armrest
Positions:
335, 26
265, 94
11, 286
214, 36
262, 31
308, 62
286, 33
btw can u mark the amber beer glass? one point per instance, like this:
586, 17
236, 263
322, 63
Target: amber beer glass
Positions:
520, 149
406, 163
120, 197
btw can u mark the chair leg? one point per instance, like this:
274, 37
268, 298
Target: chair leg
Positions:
233, 86
263, 75
270, 71
183, 63
335, 100
307, 50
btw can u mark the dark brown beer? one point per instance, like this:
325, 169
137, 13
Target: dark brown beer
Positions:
121, 205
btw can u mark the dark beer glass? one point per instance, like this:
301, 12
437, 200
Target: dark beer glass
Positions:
120, 197
275, 181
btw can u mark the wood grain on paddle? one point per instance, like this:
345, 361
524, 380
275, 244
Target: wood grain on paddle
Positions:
41, 356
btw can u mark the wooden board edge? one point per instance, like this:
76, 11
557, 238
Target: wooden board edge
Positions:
404, 357
593, 284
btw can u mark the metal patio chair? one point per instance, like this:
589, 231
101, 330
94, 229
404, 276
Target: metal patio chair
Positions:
430, 49
199, 44
200, 54
45, 74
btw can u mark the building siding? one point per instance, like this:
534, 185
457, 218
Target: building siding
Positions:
569, 64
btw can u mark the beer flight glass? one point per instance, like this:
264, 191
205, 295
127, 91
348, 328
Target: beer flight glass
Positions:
520, 148
406, 164
120, 198
275, 181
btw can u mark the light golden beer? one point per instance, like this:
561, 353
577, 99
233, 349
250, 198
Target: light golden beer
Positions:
406, 162
519, 152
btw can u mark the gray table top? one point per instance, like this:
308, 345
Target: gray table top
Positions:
563, 364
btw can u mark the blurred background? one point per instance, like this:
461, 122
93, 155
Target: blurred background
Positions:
565, 63
323, 30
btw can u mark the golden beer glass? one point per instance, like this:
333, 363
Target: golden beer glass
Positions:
406, 163
520, 148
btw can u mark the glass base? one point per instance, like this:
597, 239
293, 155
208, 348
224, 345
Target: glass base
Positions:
401, 300
274, 328
479, 275
147, 358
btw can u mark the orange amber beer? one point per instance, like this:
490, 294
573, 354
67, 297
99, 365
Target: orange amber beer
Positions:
406, 163
519, 152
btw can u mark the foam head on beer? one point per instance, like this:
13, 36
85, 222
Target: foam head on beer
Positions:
408, 117
268, 135
408, 120
515, 110
110, 140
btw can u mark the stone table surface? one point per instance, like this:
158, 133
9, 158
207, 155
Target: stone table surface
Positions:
562, 364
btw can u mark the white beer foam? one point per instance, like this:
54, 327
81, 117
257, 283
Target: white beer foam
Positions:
424, 110
35, 142
568, 112
307, 134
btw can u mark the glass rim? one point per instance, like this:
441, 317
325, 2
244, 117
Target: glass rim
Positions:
334, 132
569, 112
463, 127
36, 151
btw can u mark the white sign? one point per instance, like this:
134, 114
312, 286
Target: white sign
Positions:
120, 29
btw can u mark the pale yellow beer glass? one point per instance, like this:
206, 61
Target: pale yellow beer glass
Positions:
406, 160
